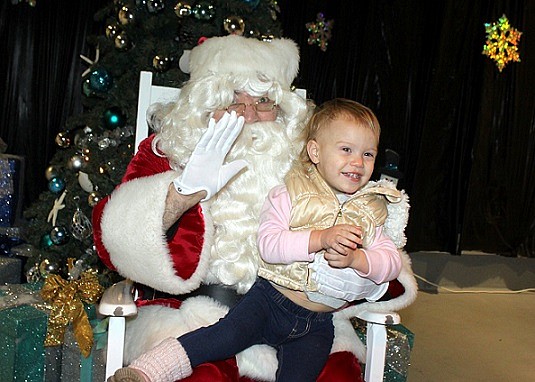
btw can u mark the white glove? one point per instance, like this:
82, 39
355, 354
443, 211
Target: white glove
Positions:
205, 169
344, 283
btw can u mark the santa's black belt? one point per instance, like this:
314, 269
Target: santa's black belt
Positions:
224, 295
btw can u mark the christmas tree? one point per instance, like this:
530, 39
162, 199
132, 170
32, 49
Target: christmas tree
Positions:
96, 146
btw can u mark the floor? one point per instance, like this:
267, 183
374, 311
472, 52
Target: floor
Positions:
476, 329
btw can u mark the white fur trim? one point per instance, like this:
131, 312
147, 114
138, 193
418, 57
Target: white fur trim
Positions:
136, 240
398, 214
346, 338
278, 60
258, 362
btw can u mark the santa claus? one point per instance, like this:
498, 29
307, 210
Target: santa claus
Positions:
183, 221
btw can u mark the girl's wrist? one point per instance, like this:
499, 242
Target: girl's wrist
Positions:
359, 260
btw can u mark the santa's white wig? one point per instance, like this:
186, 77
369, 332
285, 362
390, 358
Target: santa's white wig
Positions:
220, 67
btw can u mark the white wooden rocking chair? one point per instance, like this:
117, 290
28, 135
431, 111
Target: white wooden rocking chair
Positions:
118, 302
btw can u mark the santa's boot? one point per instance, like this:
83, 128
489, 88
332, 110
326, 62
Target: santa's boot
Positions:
167, 362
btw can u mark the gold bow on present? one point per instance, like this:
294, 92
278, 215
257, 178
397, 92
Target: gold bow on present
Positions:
67, 299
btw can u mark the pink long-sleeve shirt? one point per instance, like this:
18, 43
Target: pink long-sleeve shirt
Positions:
277, 244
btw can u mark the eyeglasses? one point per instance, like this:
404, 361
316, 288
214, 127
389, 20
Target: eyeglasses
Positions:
259, 106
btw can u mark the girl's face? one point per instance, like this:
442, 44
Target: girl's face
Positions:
344, 153
253, 109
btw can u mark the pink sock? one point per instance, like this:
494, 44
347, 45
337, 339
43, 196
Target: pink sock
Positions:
167, 362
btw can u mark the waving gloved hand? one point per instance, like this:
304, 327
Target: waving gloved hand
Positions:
343, 283
205, 169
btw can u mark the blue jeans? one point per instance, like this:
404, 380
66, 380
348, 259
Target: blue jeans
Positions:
303, 338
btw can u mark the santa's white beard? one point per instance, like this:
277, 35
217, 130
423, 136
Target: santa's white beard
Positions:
236, 208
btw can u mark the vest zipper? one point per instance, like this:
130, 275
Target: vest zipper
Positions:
339, 214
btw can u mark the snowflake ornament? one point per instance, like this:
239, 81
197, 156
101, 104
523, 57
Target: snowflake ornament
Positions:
502, 40
320, 31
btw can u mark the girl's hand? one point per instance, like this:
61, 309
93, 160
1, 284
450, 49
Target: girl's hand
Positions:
351, 259
341, 239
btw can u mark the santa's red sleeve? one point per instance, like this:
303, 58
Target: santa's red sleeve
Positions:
129, 234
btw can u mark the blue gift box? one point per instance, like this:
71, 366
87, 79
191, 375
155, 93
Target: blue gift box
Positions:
11, 187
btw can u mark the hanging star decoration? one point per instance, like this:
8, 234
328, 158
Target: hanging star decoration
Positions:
320, 31
90, 62
502, 42
58, 205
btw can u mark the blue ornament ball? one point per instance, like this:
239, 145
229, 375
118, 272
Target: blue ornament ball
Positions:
252, 3
113, 118
59, 235
56, 185
100, 80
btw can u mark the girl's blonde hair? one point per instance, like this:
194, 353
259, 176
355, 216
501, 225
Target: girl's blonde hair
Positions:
334, 109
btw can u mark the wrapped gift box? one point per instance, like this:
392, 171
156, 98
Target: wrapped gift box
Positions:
75, 367
400, 342
11, 193
10, 270
22, 335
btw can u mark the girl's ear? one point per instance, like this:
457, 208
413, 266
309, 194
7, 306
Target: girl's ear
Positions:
313, 151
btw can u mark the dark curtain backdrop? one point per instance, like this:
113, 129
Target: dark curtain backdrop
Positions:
40, 73
465, 132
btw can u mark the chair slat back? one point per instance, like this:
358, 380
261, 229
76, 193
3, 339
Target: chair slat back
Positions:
149, 94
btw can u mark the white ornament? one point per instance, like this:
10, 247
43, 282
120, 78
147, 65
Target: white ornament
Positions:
183, 63
85, 182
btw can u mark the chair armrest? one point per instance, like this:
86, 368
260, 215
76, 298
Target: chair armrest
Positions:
118, 303
376, 342
388, 318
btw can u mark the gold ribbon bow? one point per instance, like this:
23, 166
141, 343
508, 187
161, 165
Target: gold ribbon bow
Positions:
67, 298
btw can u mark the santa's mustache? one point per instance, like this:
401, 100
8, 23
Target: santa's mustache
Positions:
261, 138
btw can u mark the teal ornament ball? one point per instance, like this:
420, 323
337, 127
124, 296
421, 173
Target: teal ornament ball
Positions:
100, 80
86, 88
59, 235
56, 185
113, 118
46, 241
